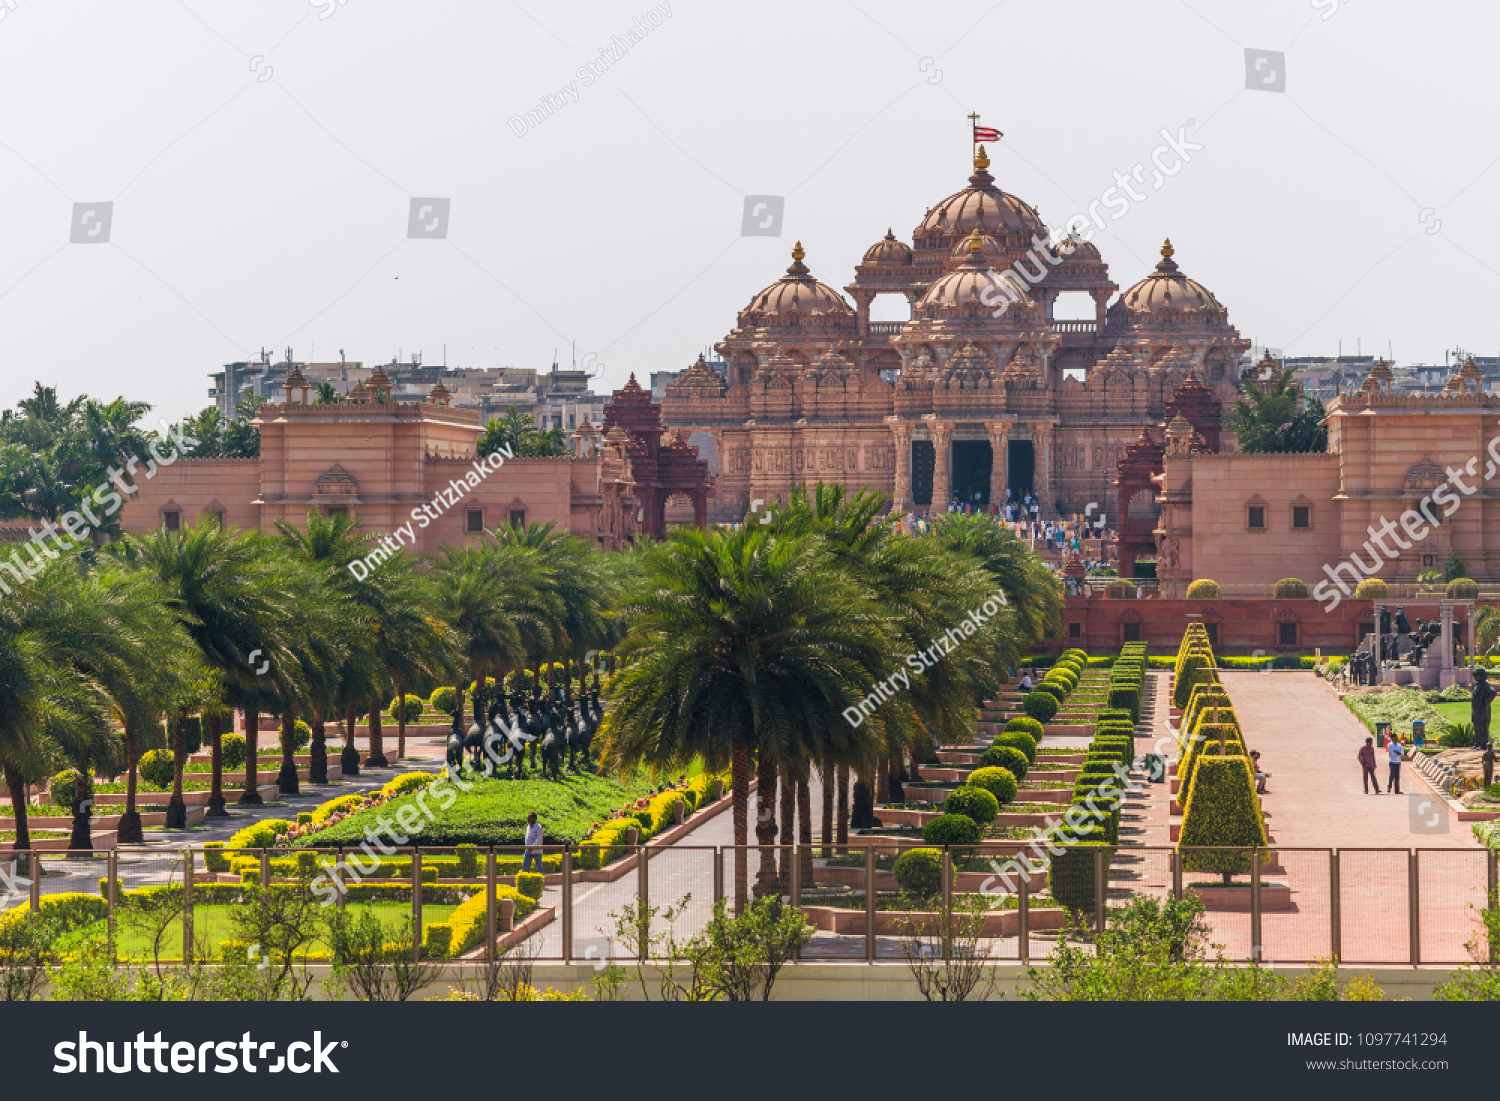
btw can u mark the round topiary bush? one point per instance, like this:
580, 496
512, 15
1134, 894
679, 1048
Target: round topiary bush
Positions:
1007, 757
952, 829
301, 735
1203, 589
1290, 588
1026, 725
443, 699
415, 705
1461, 588
1041, 706
156, 768
972, 802
999, 782
1372, 588
232, 750
1019, 740
919, 872
1054, 688
1120, 590
60, 790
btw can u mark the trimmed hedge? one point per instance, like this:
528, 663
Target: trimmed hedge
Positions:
443, 700
466, 925
972, 802
999, 782
1072, 876
919, 873
1041, 706
1221, 809
157, 768
1022, 742
231, 751
1007, 757
1203, 589
1372, 588
952, 829
1289, 588
1025, 724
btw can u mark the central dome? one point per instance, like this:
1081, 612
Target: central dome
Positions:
981, 206
966, 284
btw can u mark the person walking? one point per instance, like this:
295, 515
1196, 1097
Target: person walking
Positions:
1367, 762
533, 843
1395, 753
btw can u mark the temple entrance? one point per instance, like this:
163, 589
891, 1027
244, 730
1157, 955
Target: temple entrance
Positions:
971, 471
1019, 468
923, 463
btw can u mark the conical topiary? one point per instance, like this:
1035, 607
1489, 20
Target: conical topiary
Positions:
1221, 810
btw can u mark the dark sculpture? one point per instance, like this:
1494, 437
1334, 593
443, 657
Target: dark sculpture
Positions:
1479, 708
455, 754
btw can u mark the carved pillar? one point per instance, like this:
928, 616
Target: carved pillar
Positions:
862, 300
1101, 298
942, 480
999, 454
700, 507
901, 435
1041, 436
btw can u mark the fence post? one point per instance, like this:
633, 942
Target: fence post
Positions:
265, 869
339, 882
870, 904
416, 902
1414, 906
1024, 910
36, 883
1176, 861
111, 870
1101, 885
489, 906
1492, 862
567, 905
796, 887
718, 876
643, 894
947, 903
187, 905
1257, 949
1335, 947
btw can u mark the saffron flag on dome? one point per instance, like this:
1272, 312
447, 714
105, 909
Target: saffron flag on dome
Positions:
987, 133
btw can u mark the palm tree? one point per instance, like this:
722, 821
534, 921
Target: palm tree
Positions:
742, 645
1486, 629
327, 395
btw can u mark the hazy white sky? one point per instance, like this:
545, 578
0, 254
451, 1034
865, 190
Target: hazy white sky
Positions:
262, 155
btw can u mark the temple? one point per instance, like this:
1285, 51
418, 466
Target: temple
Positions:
982, 391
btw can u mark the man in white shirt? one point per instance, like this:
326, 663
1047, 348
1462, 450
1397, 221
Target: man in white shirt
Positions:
533, 844
1026, 681
1395, 753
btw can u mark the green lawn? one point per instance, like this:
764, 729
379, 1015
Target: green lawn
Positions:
493, 812
213, 923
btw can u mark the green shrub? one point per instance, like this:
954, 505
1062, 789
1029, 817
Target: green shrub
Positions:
157, 769
952, 829
972, 802
1194, 667
468, 861
1041, 706
1461, 588
1073, 875
213, 856
408, 781
1126, 699
530, 884
1019, 740
60, 790
1290, 588
1203, 589
998, 781
1054, 688
443, 700
343, 802
919, 873
304, 818
1372, 588
261, 835
415, 705
469, 921
301, 735
1119, 590
1007, 757
1026, 725
437, 940
1221, 810
232, 751
1459, 736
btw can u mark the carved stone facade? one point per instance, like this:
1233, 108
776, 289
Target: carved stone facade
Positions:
980, 391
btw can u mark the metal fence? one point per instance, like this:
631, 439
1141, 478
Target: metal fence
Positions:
1364, 906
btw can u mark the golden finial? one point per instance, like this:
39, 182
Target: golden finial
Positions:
1167, 249
797, 253
981, 160
976, 242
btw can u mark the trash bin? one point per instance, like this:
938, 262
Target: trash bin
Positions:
1156, 767
1382, 732
1418, 731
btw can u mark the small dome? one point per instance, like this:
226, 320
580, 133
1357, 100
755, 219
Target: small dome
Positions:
797, 291
438, 395
994, 255
380, 379
969, 283
888, 250
1168, 289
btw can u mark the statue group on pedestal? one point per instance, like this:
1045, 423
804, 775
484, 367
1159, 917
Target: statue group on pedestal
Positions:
553, 723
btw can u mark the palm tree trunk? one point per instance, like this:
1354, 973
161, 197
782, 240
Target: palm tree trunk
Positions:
286, 779
843, 809
375, 755
914, 774
894, 793
788, 834
318, 750
739, 790
250, 797
216, 749
400, 719
882, 781
83, 810
765, 825
862, 816
130, 822
804, 827
349, 758
16, 785
825, 778
176, 807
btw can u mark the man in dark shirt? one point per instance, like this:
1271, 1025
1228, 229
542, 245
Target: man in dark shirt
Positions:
1367, 762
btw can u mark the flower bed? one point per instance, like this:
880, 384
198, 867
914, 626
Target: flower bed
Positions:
1399, 707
